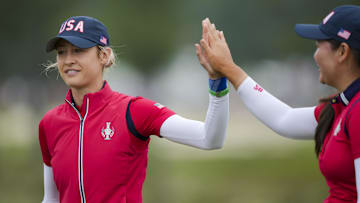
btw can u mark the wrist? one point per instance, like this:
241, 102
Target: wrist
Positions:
218, 87
235, 74
215, 76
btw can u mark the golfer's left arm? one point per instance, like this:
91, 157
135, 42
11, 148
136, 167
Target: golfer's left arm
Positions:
208, 135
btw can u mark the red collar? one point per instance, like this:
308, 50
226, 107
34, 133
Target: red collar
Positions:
96, 100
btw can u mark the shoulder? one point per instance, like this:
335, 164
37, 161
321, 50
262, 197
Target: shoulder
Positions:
148, 115
141, 104
49, 115
118, 98
354, 106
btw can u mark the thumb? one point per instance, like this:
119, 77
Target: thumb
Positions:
222, 36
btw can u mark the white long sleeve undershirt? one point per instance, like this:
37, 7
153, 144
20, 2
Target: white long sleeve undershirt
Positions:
51, 194
204, 135
296, 123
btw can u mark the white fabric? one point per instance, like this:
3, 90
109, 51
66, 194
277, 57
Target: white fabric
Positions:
296, 123
208, 135
357, 177
51, 194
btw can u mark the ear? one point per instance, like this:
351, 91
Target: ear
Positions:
104, 56
343, 52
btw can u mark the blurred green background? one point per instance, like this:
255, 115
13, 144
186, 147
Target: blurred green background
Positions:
154, 41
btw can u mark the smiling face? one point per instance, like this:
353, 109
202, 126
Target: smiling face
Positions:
79, 68
325, 58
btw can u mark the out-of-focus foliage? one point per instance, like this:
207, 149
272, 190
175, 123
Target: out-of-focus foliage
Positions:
148, 33
262, 179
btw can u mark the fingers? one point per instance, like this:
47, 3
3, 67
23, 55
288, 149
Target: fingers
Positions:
205, 30
204, 44
210, 34
219, 34
200, 54
212, 30
222, 36
202, 59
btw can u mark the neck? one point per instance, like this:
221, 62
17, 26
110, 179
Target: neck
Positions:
348, 77
79, 93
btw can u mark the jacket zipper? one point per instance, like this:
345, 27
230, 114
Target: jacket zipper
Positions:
80, 158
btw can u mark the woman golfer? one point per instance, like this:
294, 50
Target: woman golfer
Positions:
95, 145
335, 122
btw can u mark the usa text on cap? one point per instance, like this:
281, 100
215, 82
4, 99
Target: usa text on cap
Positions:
82, 32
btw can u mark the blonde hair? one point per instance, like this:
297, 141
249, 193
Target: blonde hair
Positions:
51, 66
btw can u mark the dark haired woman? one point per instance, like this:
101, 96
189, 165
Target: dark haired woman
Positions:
334, 123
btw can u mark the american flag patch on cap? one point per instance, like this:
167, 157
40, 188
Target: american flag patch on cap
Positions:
103, 40
344, 34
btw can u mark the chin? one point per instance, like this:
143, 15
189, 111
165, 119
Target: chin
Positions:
321, 79
73, 84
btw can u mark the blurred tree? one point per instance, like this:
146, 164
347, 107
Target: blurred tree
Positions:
146, 30
259, 30
148, 33
23, 33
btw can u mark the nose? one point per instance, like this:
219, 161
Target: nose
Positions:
69, 58
316, 54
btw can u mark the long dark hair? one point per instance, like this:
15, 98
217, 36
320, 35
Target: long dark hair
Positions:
327, 114
326, 119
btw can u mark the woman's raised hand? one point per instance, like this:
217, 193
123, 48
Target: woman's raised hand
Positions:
203, 59
215, 56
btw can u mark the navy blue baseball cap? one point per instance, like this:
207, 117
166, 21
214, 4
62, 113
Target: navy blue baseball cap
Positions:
81, 31
342, 24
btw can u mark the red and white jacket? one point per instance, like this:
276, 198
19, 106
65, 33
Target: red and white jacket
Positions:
93, 154
99, 153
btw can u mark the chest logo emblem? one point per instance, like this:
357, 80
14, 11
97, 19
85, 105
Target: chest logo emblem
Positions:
338, 128
107, 132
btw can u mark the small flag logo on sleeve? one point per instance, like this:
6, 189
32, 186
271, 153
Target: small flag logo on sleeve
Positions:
160, 106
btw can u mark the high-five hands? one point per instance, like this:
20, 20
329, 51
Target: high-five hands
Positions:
203, 59
215, 56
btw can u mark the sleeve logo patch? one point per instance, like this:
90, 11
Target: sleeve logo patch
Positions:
160, 106
258, 88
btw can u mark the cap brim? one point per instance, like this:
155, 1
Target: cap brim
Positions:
310, 31
76, 41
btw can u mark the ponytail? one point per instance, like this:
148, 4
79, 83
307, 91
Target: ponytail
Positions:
326, 119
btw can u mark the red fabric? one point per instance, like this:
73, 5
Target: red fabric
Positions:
337, 156
113, 170
353, 128
147, 116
